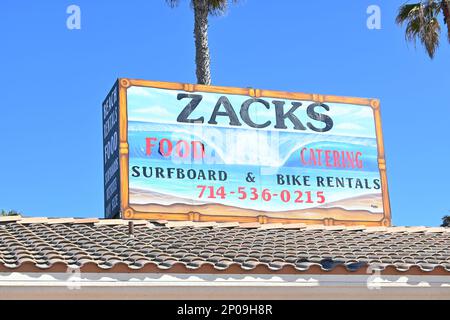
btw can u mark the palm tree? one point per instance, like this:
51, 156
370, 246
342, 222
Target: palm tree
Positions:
202, 9
422, 22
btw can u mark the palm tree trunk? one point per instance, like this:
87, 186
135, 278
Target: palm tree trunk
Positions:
445, 5
202, 59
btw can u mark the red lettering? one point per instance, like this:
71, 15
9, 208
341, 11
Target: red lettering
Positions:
337, 163
313, 157
182, 148
319, 156
149, 145
358, 160
331, 158
196, 145
178, 149
169, 147
350, 159
328, 158
302, 156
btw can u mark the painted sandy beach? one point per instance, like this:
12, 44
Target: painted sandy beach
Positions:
340, 210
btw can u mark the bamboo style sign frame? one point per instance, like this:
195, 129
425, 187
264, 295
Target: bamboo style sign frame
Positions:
327, 215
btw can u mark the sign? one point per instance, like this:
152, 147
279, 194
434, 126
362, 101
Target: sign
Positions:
207, 153
111, 153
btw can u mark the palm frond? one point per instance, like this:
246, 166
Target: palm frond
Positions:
429, 36
422, 23
407, 11
413, 29
219, 7
215, 7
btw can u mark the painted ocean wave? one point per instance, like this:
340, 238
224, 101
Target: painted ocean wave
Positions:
232, 146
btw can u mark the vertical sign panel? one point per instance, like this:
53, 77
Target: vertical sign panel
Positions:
111, 153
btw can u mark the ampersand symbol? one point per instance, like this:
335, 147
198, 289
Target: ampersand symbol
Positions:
250, 177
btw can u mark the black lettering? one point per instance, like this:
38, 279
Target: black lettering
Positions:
135, 170
306, 181
185, 113
191, 174
340, 182
222, 175
319, 117
376, 182
211, 175
170, 172
281, 115
330, 182
201, 175
358, 184
246, 117
320, 182
159, 172
296, 181
144, 171
229, 112
180, 174
349, 180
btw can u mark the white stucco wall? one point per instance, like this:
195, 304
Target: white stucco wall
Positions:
213, 286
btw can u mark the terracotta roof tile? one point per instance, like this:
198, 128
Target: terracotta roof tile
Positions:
95, 244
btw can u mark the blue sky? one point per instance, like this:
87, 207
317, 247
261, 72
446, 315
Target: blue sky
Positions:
54, 81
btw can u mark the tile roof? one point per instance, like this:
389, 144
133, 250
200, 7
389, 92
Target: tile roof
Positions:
100, 245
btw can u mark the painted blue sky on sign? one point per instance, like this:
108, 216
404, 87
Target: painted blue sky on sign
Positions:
163, 106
